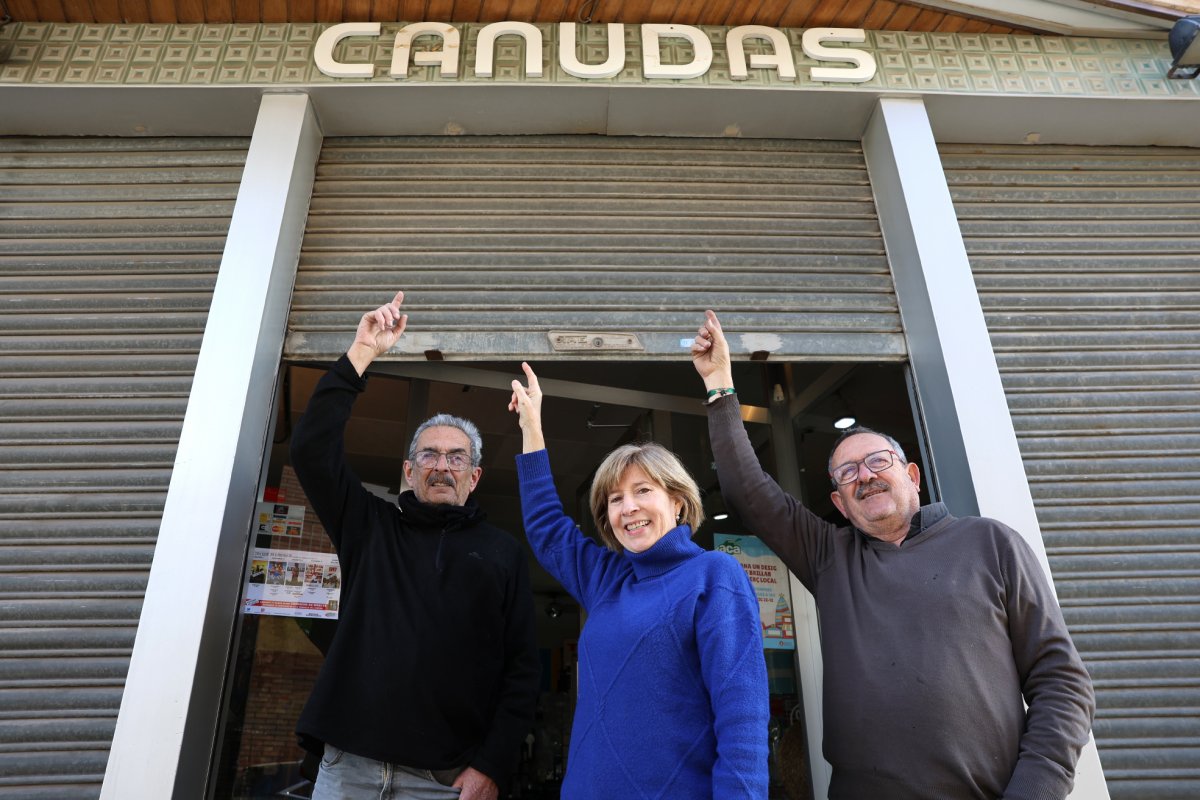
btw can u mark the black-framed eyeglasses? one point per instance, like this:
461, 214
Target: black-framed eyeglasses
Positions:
876, 462
457, 461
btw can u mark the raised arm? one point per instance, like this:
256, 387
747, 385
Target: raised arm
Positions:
318, 449
797, 535
583, 567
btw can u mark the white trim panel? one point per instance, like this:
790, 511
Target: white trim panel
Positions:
164, 731
974, 444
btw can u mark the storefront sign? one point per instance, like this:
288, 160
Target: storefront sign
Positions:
769, 577
445, 51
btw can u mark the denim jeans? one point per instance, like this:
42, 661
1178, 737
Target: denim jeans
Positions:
345, 776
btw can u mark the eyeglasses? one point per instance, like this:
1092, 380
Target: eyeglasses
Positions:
876, 462
428, 459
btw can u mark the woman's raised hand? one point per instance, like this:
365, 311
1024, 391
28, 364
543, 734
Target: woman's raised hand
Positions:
526, 403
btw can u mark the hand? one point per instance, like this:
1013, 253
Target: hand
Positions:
474, 785
710, 354
377, 332
526, 403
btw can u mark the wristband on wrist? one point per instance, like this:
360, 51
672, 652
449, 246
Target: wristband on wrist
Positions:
713, 394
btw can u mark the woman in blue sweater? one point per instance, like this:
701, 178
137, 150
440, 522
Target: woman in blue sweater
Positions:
673, 699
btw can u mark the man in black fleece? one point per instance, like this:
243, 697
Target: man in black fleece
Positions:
430, 683
936, 630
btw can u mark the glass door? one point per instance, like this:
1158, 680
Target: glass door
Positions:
290, 593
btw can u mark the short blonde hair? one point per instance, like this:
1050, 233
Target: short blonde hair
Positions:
661, 466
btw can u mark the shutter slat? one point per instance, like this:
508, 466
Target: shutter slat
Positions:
1086, 262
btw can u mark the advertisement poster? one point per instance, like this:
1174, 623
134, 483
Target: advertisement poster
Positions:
293, 583
279, 519
769, 577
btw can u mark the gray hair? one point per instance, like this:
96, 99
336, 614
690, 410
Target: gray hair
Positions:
450, 421
855, 431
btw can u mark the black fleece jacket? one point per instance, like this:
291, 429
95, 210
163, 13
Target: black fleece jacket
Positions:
434, 664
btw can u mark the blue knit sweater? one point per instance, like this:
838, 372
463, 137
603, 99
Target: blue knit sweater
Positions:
673, 699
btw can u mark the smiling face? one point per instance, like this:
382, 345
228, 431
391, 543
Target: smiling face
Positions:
640, 511
879, 504
439, 484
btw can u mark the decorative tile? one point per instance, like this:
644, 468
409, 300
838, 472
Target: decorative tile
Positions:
68, 33
268, 52
151, 53
206, 54
979, 63
281, 54
110, 73
79, 74
998, 44
115, 52
14, 73
1006, 63
263, 74
32, 31
243, 33
1041, 84
55, 52
231, 73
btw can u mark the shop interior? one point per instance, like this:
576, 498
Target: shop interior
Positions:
590, 408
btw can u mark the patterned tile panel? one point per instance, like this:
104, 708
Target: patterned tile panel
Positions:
282, 54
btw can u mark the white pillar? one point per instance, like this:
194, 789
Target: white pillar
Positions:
169, 710
973, 442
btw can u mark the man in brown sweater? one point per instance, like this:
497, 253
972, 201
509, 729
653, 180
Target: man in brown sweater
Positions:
948, 668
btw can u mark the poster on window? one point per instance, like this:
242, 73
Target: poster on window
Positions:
769, 577
293, 583
280, 519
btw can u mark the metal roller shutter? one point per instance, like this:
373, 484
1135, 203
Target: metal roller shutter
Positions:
109, 250
500, 240
1087, 262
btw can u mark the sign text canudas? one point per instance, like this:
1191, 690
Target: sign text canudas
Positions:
813, 43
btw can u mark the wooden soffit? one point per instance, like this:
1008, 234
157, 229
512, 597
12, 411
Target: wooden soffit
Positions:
961, 16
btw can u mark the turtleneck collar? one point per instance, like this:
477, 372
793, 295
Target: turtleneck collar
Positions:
674, 548
441, 515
